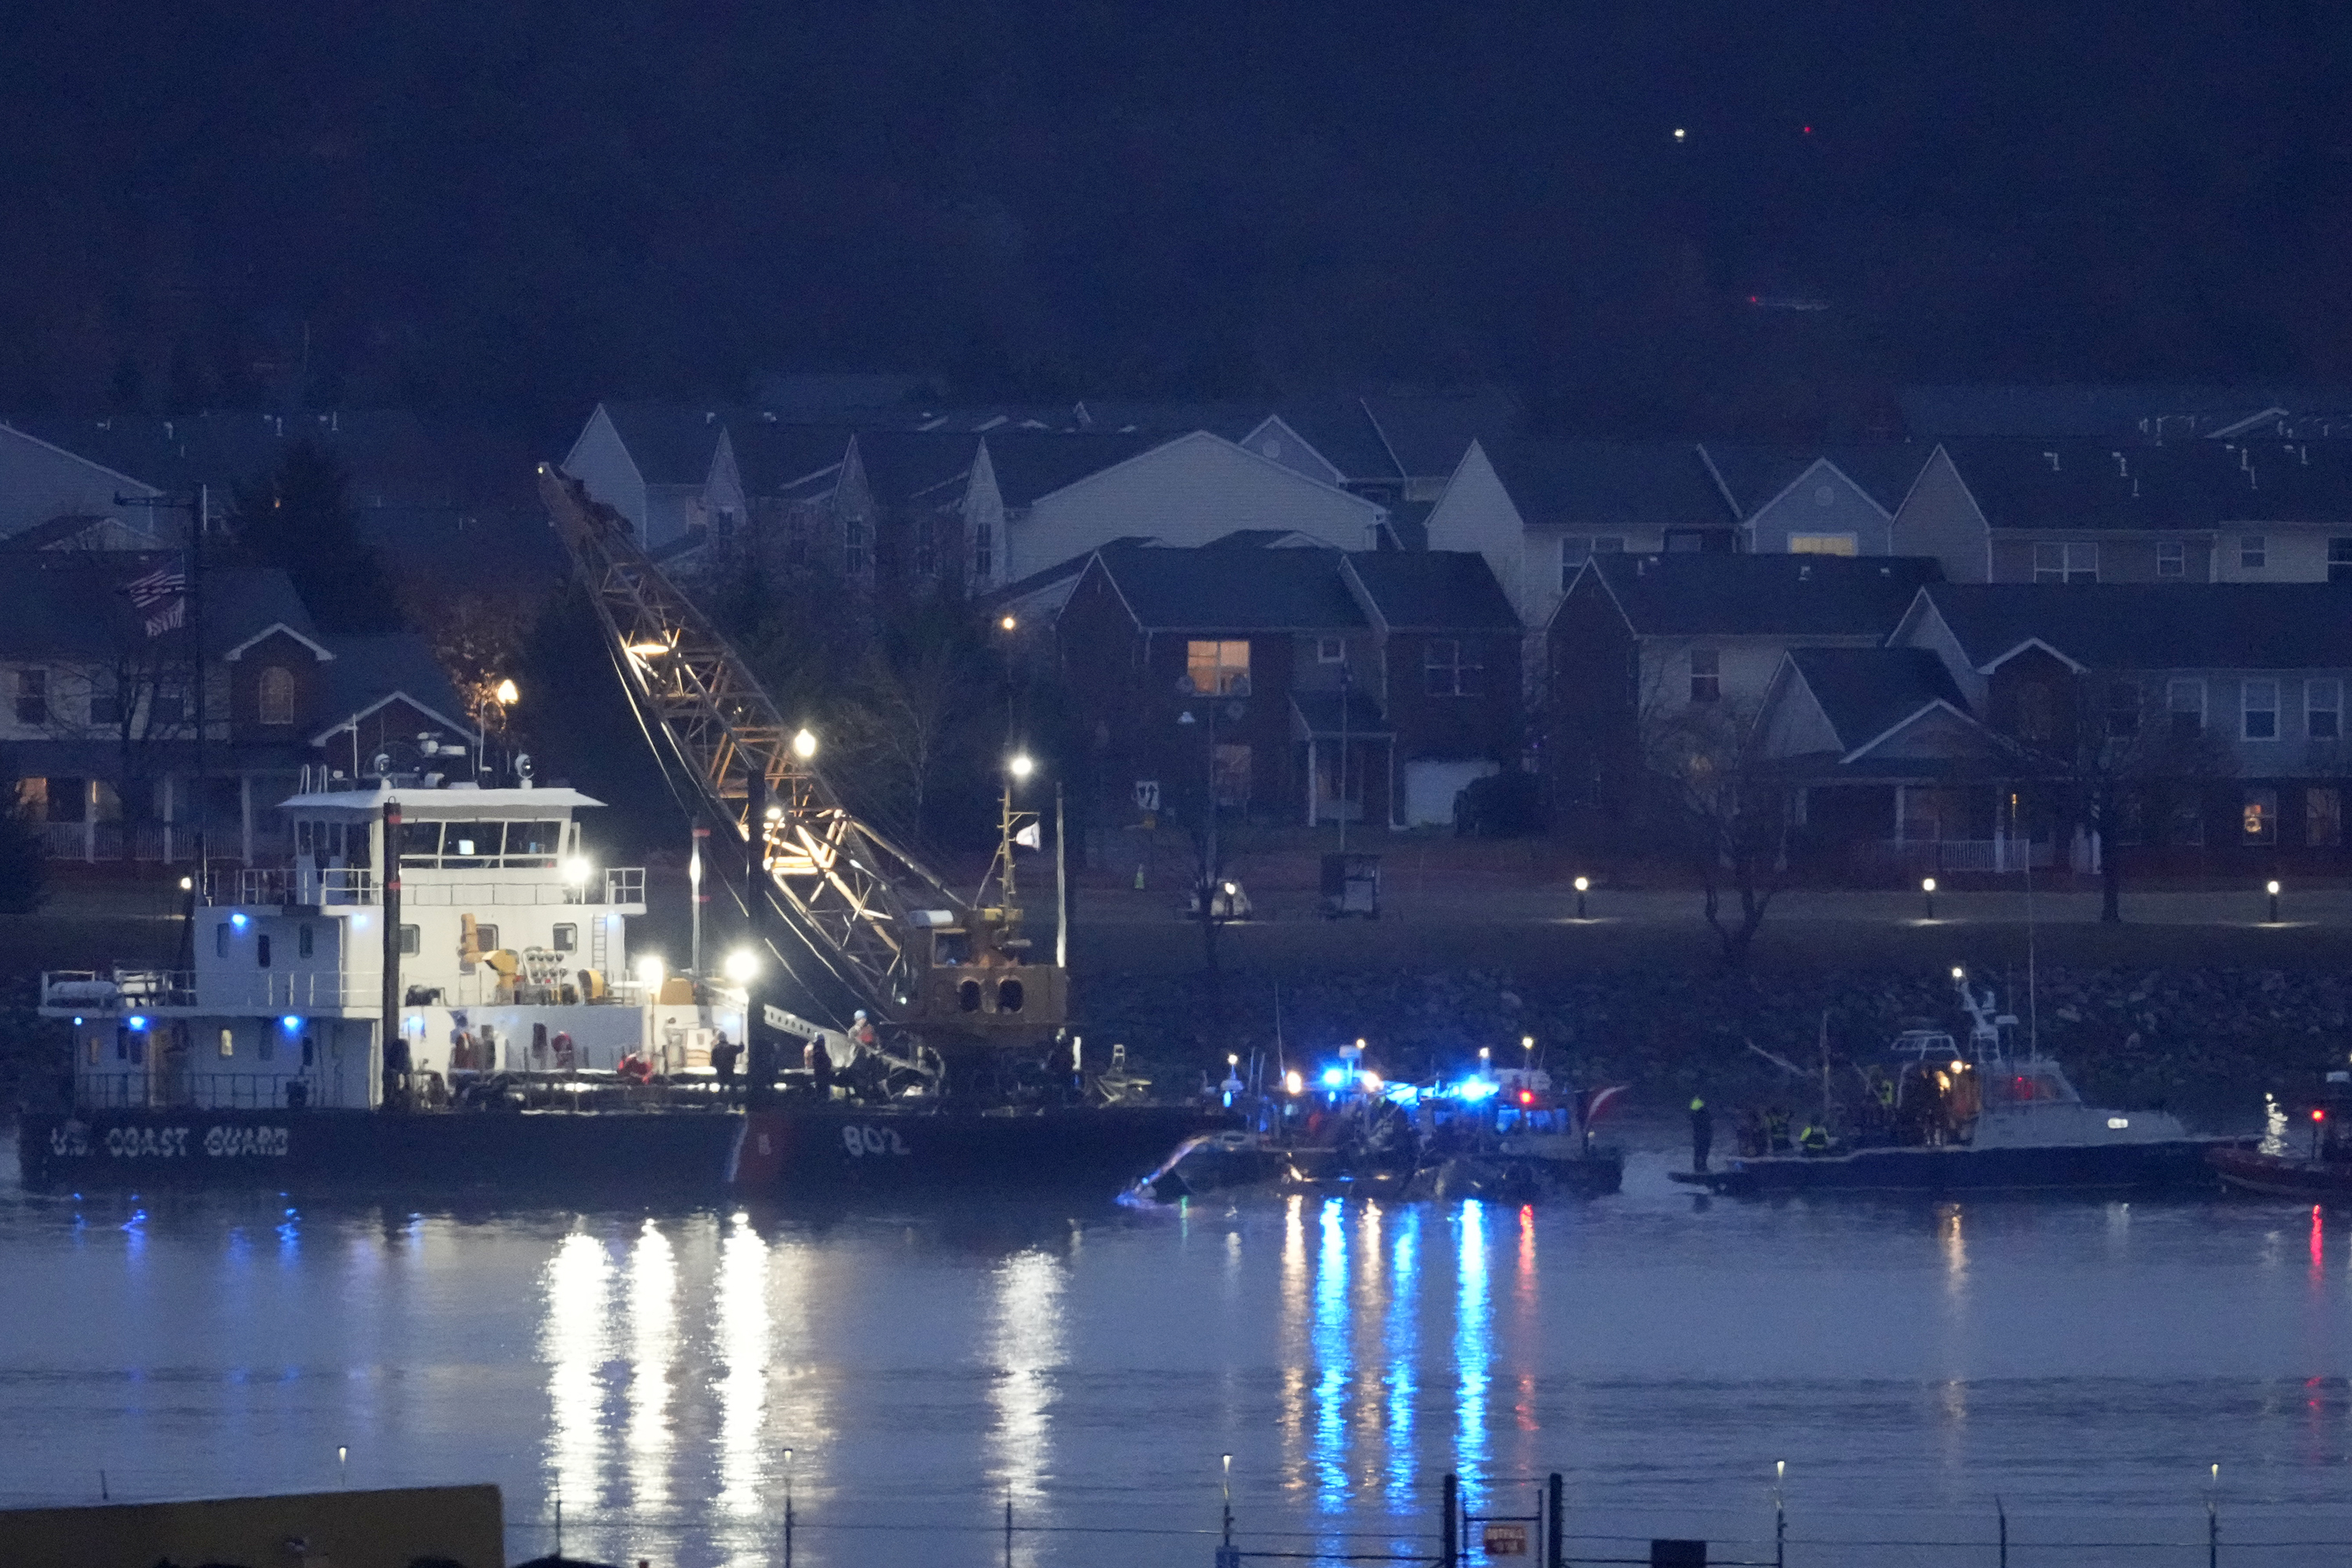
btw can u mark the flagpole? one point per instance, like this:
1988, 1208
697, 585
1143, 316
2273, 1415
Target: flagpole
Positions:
197, 666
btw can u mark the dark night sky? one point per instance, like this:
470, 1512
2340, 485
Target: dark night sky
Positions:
523, 207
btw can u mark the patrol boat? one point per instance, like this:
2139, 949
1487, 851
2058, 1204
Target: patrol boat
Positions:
1986, 1116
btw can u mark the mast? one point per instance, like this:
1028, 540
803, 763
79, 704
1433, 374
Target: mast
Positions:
391, 998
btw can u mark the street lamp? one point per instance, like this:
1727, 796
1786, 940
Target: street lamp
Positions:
1927, 886
507, 694
1583, 885
1021, 766
2274, 892
1008, 624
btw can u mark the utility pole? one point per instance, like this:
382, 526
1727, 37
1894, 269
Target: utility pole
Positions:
199, 510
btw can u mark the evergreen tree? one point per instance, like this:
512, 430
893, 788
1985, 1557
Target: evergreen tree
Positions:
301, 519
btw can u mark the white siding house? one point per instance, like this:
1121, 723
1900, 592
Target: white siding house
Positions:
671, 470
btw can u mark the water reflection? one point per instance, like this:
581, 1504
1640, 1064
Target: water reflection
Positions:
572, 1341
653, 1348
1027, 1345
1293, 1343
1402, 1351
1332, 1362
743, 1351
1473, 1346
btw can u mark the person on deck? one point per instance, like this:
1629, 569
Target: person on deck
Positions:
723, 1052
819, 1062
1701, 1133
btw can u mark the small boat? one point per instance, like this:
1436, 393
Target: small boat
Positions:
1986, 1116
1499, 1134
2320, 1171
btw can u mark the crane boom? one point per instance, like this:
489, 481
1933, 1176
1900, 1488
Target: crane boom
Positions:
921, 956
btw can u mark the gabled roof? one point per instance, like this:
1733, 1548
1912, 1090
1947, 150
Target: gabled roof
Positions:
2116, 411
319, 650
1864, 692
2179, 485
773, 459
1436, 591
671, 443
1028, 465
2151, 625
1341, 431
1426, 433
902, 464
1609, 484
1230, 590
1759, 596
368, 672
1757, 475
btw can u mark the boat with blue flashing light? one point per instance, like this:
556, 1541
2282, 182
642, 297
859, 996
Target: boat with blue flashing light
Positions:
1988, 1115
1508, 1134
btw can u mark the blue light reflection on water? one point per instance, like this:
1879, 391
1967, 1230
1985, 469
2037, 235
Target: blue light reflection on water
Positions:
1333, 1361
1474, 1343
1402, 1351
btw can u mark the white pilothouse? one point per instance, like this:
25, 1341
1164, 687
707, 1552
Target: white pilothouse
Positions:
511, 950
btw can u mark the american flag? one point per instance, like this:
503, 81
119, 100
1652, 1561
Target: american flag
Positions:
160, 597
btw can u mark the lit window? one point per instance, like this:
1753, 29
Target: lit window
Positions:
2260, 710
1218, 669
2172, 558
1705, 674
2186, 700
1821, 545
2059, 562
276, 698
228, 1042
2253, 552
2261, 816
2323, 709
1452, 667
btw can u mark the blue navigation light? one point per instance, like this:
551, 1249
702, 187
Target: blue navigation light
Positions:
1333, 1078
237, 921
291, 1022
137, 1022
77, 1020
1474, 1088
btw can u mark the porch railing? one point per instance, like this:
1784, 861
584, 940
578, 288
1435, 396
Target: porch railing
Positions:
1997, 856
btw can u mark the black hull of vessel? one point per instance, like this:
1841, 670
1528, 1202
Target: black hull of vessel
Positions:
2175, 1165
772, 1152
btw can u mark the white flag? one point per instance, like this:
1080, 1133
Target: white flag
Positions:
1031, 838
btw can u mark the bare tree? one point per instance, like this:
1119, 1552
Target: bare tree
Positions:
1718, 803
2128, 747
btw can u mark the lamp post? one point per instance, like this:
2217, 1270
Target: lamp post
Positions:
1583, 885
2273, 889
1927, 886
501, 697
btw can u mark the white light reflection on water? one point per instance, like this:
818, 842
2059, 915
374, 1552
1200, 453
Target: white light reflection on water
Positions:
653, 1349
1028, 1353
743, 1351
1292, 1346
572, 1341
1474, 1346
1332, 1362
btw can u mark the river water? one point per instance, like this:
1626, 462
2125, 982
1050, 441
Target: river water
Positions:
2083, 1362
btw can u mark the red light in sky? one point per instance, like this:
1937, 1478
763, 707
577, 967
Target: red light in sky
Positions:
2319, 1116
1808, 131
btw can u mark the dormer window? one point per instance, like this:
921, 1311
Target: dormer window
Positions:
276, 695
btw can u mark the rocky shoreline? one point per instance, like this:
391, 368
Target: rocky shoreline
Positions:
2206, 1043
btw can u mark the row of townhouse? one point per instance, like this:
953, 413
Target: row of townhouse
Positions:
1933, 725
100, 670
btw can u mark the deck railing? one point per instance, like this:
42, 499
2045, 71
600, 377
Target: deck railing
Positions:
160, 1088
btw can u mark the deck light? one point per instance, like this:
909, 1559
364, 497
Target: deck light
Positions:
1526, 1042
649, 970
77, 1020
648, 649
1021, 765
1333, 1078
1292, 1082
359, 922
237, 921
741, 966
1372, 1081
289, 1023
138, 1022
577, 870
187, 884
805, 745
